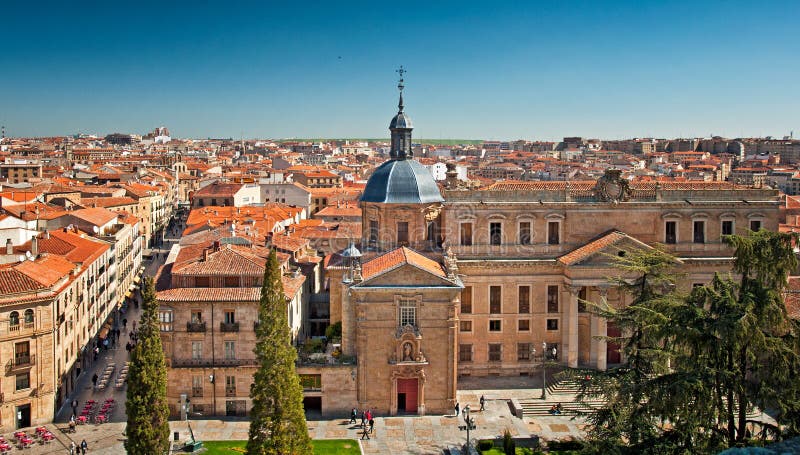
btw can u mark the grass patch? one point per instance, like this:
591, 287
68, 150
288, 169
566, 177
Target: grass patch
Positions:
321, 447
518, 450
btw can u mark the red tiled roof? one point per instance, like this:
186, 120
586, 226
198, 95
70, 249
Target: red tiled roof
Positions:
229, 260
209, 295
47, 270
398, 257
603, 241
13, 281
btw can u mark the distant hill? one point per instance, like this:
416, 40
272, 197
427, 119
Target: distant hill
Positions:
416, 141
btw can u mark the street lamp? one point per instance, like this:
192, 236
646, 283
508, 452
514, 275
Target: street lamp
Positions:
544, 370
470, 425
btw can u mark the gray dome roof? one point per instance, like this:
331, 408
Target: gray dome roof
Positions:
402, 181
351, 252
401, 120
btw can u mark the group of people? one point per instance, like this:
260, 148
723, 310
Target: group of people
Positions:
482, 402
75, 449
556, 409
367, 418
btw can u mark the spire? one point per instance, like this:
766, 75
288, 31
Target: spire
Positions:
401, 126
400, 86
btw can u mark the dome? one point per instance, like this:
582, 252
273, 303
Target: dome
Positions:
402, 181
401, 120
351, 252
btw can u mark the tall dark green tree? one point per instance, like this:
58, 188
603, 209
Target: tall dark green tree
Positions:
147, 430
277, 421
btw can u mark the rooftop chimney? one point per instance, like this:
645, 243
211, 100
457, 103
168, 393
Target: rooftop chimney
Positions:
9, 247
34, 246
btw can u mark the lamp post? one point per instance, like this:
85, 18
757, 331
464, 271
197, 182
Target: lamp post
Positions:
544, 370
470, 425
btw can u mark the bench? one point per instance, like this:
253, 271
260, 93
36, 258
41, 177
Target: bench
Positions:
192, 446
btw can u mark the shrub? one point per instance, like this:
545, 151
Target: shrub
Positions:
509, 447
565, 445
485, 444
334, 332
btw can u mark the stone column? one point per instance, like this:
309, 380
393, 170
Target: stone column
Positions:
569, 329
598, 328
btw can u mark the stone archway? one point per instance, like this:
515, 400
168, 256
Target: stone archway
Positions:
408, 391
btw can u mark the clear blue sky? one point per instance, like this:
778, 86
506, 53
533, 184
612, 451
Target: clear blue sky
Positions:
477, 69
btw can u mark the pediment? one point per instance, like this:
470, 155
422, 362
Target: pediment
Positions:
599, 252
406, 275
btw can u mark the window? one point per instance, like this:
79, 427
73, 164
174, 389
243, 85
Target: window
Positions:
28, 316
402, 232
525, 233
524, 299
466, 234
727, 227
311, 382
13, 319
230, 386
495, 233
582, 300
699, 232
495, 326
465, 326
201, 281
552, 324
552, 299
553, 228
232, 282
230, 317
197, 385
165, 318
495, 300
755, 225
524, 325
230, 350
465, 353
466, 300
197, 350
495, 352
408, 313
22, 352
373, 234
523, 351
197, 317
671, 232
23, 381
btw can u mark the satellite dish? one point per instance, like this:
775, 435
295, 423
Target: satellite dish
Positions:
28, 254
95, 229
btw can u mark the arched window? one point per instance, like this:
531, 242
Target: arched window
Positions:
13, 318
28, 316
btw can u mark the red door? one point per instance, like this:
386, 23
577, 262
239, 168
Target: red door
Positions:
408, 389
612, 349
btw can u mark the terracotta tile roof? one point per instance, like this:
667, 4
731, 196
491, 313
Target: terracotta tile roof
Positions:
13, 281
229, 260
595, 246
209, 295
96, 216
219, 190
107, 201
332, 210
398, 257
47, 270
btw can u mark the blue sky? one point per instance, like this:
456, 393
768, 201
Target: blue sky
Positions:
484, 70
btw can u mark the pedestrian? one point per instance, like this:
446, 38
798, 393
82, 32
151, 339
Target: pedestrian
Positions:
125, 323
134, 326
105, 344
371, 424
458, 408
368, 415
353, 414
483, 403
74, 407
72, 448
84, 446
363, 419
365, 434
94, 380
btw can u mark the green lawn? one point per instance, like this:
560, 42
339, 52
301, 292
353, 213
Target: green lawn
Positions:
499, 451
321, 447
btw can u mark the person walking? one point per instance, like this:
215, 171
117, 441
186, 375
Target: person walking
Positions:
353, 414
458, 408
363, 419
483, 403
371, 424
125, 323
84, 446
74, 407
72, 448
94, 380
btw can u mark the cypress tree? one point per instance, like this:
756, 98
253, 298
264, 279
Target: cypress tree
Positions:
147, 430
277, 421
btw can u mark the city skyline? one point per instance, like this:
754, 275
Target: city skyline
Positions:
538, 72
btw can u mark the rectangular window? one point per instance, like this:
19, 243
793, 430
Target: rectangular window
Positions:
495, 352
230, 386
201, 281
671, 232
165, 318
408, 313
553, 228
232, 282
552, 299
524, 325
755, 225
465, 326
524, 299
402, 232
523, 351
495, 233
495, 300
466, 300
197, 317
552, 324
727, 227
311, 382
373, 234
699, 232
495, 325
525, 233
197, 350
465, 353
23, 381
466, 234
22, 352
197, 386
582, 300
230, 317
230, 350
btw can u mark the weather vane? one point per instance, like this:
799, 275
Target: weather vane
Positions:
401, 71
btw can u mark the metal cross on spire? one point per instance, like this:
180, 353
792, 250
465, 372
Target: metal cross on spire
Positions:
401, 86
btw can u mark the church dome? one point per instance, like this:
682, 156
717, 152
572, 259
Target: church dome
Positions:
401, 120
402, 182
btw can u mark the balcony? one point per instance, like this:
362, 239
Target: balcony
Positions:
208, 363
230, 391
197, 391
195, 326
228, 326
21, 361
22, 327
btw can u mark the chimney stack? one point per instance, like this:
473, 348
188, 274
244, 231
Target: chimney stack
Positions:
9, 247
35, 246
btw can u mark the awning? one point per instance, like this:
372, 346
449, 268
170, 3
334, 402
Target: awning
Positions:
136, 280
104, 331
128, 294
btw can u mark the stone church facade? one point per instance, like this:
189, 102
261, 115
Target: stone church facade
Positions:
451, 282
